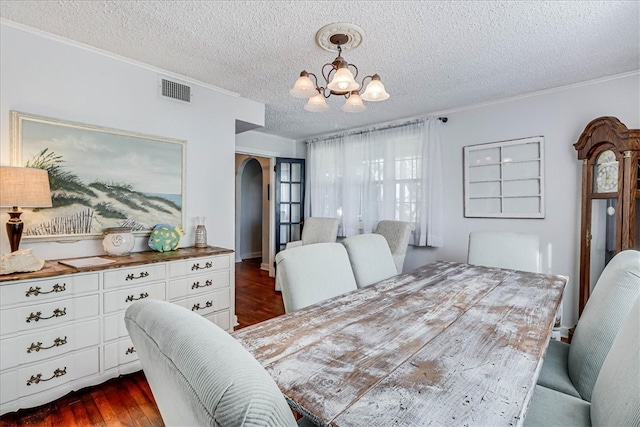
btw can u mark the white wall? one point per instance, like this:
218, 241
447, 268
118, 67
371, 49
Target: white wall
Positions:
256, 142
560, 116
46, 76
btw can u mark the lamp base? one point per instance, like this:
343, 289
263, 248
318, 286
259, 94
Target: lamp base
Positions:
14, 228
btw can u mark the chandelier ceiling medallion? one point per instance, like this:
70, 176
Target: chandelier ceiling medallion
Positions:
338, 76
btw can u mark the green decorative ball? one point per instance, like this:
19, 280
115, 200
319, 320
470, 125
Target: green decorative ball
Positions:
165, 238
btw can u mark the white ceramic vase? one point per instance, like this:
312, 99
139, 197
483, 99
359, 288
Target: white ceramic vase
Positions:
118, 241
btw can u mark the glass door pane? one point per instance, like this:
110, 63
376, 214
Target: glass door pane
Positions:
289, 200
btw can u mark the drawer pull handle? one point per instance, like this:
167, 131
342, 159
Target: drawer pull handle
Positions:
132, 298
196, 266
38, 290
38, 346
130, 350
35, 379
197, 306
197, 285
38, 315
141, 276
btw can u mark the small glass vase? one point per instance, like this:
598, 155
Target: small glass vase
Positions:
201, 233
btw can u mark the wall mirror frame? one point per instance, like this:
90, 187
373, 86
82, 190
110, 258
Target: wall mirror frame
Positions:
505, 179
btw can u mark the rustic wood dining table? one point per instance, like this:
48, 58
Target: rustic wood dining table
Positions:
447, 344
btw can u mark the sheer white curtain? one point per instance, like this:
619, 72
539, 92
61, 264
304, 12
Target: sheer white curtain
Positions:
388, 173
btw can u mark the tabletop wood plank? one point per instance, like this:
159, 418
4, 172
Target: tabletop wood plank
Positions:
284, 335
364, 358
325, 377
479, 371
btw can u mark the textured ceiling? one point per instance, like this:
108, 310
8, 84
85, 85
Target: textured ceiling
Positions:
432, 56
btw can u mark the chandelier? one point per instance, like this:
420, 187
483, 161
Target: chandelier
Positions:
339, 79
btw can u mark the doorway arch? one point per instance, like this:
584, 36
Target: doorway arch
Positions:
252, 208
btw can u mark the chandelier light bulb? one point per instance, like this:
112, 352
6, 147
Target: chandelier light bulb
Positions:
375, 90
343, 81
354, 103
316, 104
304, 87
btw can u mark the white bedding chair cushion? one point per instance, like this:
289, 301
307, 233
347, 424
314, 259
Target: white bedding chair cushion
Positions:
198, 373
574, 368
616, 393
397, 234
370, 258
312, 273
317, 230
500, 249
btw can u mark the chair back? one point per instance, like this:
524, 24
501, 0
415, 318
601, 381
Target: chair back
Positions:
616, 393
198, 374
319, 230
370, 258
615, 292
397, 234
500, 249
309, 274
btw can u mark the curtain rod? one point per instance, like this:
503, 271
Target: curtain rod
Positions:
373, 129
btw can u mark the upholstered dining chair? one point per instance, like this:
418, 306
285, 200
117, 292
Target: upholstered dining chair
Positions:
397, 234
573, 368
198, 374
370, 258
317, 230
501, 249
615, 400
312, 273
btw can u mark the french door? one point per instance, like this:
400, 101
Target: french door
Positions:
289, 204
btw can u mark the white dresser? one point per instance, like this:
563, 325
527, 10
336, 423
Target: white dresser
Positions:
62, 328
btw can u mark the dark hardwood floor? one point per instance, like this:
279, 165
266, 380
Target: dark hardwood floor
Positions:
127, 400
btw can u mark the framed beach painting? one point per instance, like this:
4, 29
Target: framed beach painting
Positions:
99, 177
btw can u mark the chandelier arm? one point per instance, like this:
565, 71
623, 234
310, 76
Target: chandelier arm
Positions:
327, 76
315, 78
355, 76
364, 79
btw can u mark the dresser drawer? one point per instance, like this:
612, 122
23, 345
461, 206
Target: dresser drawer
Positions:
49, 374
195, 265
118, 353
33, 291
48, 343
114, 327
54, 313
222, 319
134, 275
198, 284
208, 303
123, 298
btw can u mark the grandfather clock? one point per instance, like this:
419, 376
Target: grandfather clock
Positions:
610, 220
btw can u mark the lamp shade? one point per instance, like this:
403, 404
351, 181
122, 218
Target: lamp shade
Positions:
316, 104
343, 81
354, 104
304, 87
375, 91
24, 187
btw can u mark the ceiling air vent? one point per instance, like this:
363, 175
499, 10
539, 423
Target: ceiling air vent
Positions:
176, 90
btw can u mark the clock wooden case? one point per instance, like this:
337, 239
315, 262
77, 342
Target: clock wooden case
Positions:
610, 155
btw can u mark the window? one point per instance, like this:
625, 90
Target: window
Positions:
365, 177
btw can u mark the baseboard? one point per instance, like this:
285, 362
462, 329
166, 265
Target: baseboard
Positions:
252, 255
264, 266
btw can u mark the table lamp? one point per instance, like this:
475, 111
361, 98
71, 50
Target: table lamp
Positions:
26, 188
